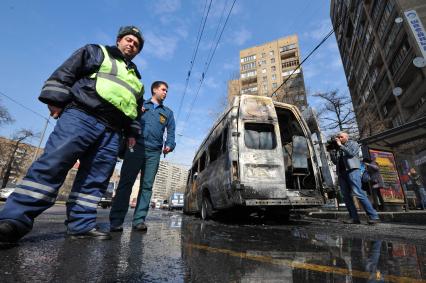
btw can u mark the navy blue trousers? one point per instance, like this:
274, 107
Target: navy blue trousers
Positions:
77, 136
145, 161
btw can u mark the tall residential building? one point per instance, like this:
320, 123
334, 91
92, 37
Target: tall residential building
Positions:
265, 67
170, 178
382, 44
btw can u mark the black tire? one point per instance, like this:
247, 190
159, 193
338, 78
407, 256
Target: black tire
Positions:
104, 205
206, 208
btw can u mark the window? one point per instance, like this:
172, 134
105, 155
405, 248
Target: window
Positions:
249, 90
263, 71
272, 60
287, 47
248, 74
271, 53
273, 68
225, 140
263, 55
248, 66
214, 148
265, 78
259, 136
290, 63
274, 85
202, 162
274, 77
265, 87
248, 58
399, 57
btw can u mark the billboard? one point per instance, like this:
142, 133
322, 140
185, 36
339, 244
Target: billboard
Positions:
391, 191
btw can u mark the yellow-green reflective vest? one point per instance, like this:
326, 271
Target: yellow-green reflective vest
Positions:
117, 85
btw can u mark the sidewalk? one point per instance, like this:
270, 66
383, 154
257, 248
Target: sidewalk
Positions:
411, 217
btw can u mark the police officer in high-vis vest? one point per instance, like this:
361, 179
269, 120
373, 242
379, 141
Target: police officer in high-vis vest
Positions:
96, 94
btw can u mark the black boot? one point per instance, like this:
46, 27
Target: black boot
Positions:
9, 233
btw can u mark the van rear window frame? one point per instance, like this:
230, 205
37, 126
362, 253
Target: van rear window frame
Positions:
257, 127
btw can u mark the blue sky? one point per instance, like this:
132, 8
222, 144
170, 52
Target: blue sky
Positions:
39, 35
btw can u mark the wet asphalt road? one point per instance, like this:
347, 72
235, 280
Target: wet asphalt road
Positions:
179, 248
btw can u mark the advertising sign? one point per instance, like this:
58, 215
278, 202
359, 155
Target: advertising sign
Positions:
391, 191
417, 29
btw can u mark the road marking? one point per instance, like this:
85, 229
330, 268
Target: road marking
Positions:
307, 266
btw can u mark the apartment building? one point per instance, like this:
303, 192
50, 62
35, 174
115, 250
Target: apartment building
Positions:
382, 44
170, 178
265, 67
15, 159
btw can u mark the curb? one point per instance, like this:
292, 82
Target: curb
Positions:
411, 217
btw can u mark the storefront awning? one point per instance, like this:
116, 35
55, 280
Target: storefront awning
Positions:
409, 132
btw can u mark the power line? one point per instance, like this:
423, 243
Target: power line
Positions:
307, 57
194, 55
22, 105
217, 28
207, 65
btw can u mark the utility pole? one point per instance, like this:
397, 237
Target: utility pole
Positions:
41, 139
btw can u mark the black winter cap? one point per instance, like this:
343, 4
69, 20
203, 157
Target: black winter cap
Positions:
133, 31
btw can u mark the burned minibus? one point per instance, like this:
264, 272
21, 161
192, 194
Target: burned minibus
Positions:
259, 154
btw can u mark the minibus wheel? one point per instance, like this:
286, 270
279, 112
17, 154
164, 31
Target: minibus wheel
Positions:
206, 208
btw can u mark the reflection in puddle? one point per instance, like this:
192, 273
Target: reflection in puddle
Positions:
178, 248
254, 254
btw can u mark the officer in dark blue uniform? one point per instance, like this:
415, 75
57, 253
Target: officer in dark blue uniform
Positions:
144, 158
96, 94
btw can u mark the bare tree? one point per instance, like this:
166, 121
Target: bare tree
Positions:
233, 89
12, 163
5, 117
337, 113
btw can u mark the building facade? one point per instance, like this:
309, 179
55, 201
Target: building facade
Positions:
382, 44
15, 159
265, 67
170, 178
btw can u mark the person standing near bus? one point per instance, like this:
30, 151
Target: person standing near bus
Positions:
95, 95
144, 158
345, 156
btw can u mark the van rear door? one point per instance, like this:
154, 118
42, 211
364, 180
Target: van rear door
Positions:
260, 160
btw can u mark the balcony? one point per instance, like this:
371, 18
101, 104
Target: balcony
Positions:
248, 80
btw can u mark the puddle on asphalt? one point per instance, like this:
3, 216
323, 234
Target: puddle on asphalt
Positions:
247, 254
178, 248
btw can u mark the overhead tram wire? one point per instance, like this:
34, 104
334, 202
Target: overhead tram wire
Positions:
307, 57
217, 29
207, 65
194, 55
23, 106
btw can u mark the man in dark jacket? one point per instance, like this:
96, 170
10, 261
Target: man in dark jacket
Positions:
95, 94
348, 169
145, 158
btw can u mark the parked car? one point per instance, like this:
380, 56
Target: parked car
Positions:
176, 201
5, 193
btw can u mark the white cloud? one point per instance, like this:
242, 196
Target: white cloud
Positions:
240, 37
211, 82
160, 46
319, 30
105, 38
141, 63
166, 6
